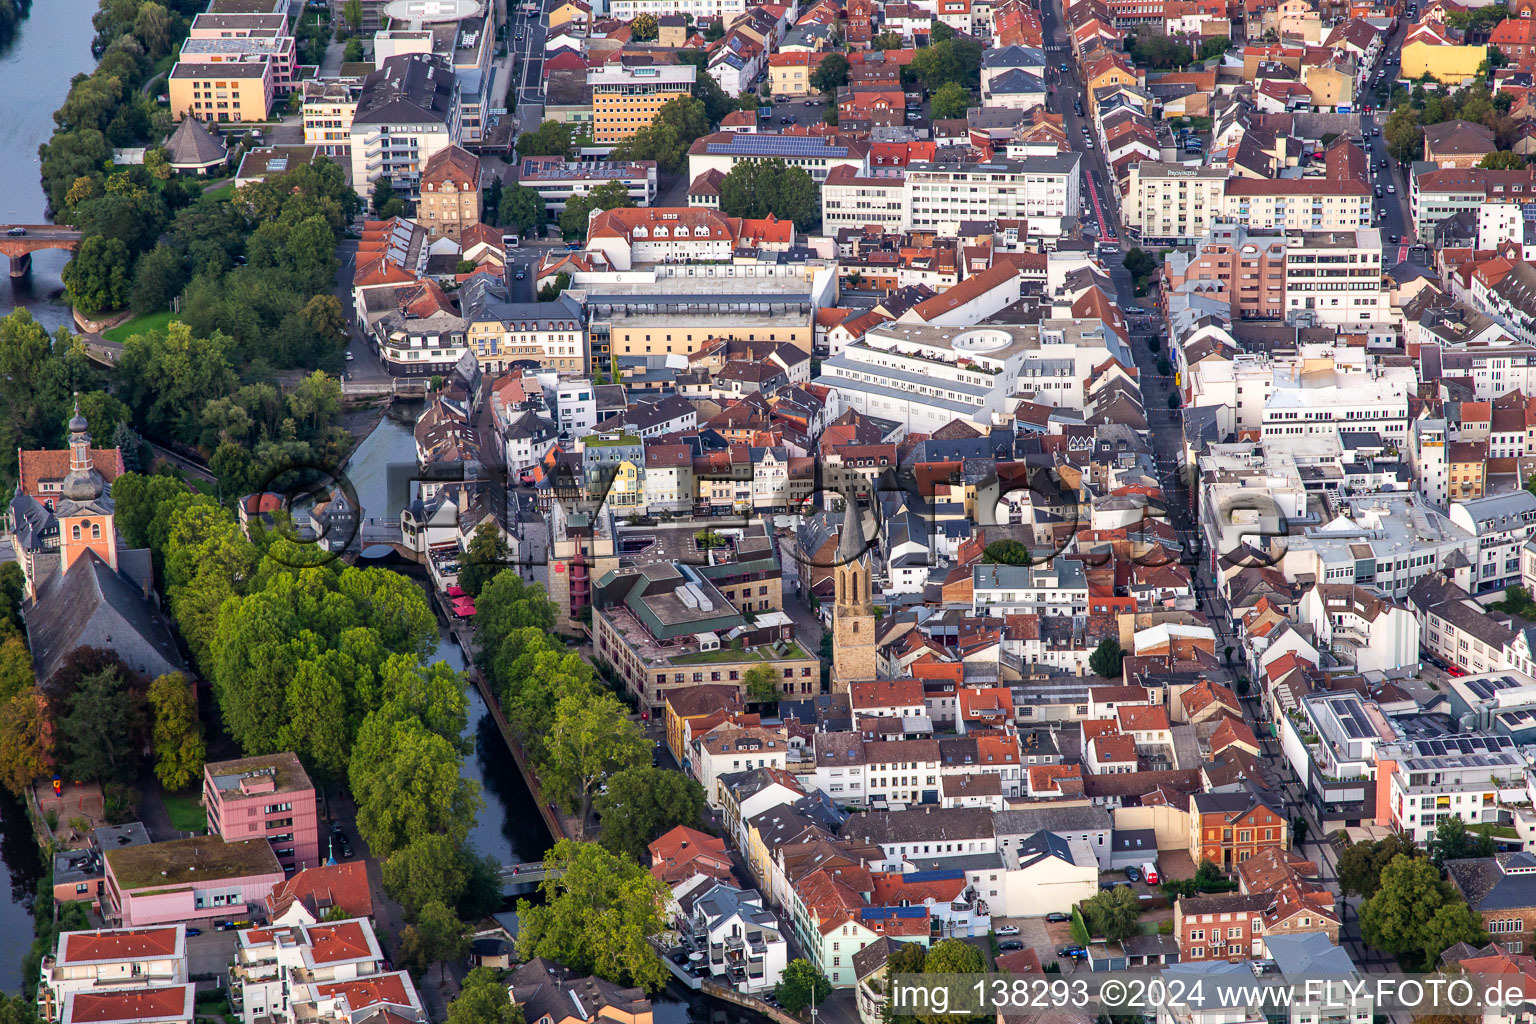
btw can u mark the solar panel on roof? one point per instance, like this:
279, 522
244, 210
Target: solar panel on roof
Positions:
772, 145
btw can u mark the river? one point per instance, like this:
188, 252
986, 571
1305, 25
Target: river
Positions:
51, 47
509, 825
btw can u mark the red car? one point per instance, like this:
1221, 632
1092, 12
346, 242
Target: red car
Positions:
1455, 670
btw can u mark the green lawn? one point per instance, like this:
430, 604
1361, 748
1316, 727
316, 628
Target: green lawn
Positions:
225, 192
738, 654
186, 811
138, 325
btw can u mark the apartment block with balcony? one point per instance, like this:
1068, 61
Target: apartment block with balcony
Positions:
1330, 742
407, 111
626, 98
235, 92
1336, 276
278, 50
1298, 204
329, 973
1473, 776
1173, 204
268, 797
1246, 268
1502, 523
110, 960
742, 940
328, 111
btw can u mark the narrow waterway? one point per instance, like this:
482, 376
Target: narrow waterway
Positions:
52, 46
509, 825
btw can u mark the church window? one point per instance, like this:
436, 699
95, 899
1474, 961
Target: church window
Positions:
96, 531
74, 531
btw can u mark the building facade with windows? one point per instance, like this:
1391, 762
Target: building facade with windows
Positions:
268, 797
235, 91
627, 98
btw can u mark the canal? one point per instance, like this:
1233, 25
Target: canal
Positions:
51, 47
509, 826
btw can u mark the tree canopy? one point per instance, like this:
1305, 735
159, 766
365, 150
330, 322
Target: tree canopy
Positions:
763, 188
642, 803
1416, 914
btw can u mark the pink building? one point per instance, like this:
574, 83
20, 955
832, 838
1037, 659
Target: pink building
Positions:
269, 798
198, 879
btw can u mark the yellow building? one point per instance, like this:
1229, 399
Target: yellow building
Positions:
1450, 65
626, 99
328, 114
239, 91
1330, 87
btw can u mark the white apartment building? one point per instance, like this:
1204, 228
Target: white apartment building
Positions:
1298, 204
1362, 628
1171, 203
1426, 454
1471, 777
817, 155
1459, 631
328, 113
1502, 523
557, 180
575, 407
883, 775
1388, 542
111, 960
850, 200
925, 377
628, 10
938, 196
297, 972
1336, 276
407, 111
1060, 588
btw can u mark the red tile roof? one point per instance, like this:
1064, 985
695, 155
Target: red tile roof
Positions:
174, 1002
117, 944
344, 940
318, 889
377, 989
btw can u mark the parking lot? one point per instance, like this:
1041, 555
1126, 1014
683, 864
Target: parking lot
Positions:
799, 110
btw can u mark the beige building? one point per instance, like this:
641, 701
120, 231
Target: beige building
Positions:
1299, 204
222, 92
1173, 203
328, 111
450, 193
626, 99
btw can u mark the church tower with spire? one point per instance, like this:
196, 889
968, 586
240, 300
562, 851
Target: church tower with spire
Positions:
853, 613
84, 511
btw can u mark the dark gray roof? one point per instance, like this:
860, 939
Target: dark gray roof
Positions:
92, 606
410, 89
1504, 882
1027, 821
193, 145
1041, 846
919, 823
34, 523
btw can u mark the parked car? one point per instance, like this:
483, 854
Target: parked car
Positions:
1394, 239
1392, 189
1008, 929
17, 231
1132, 874
1075, 952
1010, 945
1455, 670
1135, 311
1057, 917
1149, 872
194, 931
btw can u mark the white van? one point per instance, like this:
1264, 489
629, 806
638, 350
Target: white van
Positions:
1149, 873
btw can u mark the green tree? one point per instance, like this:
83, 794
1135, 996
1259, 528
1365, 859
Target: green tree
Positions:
886, 41
800, 986
157, 162
611, 195
485, 556
667, 138
952, 60
26, 741
942, 33
1361, 864
589, 739
1214, 46
384, 200
597, 916
1402, 134
158, 277
353, 52
436, 937
523, 208
507, 604
552, 138
429, 869
642, 803
1414, 912
1502, 160
1007, 552
950, 100
406, 781
140, 500
830, 74
13, 584
951, 956
352, 14
68, 156
643, 29
99, 277
1453, 841
1141, 264
1113, 913
176, 732
152, 26
103, 728
1106, 658
482, 999
762, 684
764, 188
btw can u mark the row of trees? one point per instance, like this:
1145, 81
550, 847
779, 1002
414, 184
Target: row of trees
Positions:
328, 661
1403, 131
577, 735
